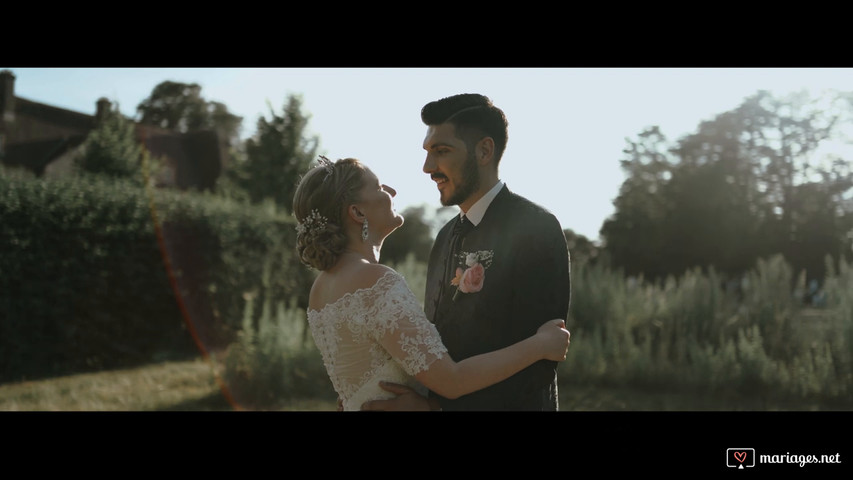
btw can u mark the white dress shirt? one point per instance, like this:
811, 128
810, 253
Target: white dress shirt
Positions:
478, 210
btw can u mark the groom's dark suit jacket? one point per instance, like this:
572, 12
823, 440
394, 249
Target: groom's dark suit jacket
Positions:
527, 284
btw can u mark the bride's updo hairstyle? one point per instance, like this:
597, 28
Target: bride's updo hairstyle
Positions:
325, 191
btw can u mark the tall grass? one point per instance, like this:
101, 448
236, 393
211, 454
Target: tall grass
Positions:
415, 274
694, 332
274, 359
691, 334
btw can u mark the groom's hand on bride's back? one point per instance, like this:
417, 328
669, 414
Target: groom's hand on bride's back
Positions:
407, 400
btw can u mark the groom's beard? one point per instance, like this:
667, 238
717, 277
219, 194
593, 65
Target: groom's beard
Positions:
470, 179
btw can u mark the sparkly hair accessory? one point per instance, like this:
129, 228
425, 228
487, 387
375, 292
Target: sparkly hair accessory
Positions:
328, 165
314, 223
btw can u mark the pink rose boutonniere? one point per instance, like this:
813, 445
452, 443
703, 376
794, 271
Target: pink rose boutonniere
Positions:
470, 279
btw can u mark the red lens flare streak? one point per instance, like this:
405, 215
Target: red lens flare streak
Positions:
226, 392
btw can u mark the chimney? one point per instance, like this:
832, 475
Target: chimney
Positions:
103, 109
7, 96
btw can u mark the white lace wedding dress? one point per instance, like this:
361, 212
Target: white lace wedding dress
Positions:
373, 334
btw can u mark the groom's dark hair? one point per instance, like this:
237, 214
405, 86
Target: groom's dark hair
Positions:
473, 116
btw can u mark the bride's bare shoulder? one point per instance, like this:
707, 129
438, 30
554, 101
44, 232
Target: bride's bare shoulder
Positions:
367, 275
329, 287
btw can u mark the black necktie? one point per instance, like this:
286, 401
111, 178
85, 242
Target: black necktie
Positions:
460, 229
445, 289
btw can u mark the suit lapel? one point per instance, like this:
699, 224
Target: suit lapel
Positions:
500, 201
441, 250
435, 270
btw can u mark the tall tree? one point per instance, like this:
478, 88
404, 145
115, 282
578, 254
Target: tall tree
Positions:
180, 107
414, 237
748, 183
111, 149
634, 235
582, 250
798, 187
276, 156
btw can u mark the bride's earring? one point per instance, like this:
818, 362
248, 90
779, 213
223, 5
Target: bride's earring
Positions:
364, 230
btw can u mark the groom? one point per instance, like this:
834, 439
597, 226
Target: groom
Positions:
496, 272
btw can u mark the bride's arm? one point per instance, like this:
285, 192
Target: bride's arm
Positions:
397, 322
453, 379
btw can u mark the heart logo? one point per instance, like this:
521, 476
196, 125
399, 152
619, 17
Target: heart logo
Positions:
740, 456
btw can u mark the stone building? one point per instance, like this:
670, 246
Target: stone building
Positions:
44, 139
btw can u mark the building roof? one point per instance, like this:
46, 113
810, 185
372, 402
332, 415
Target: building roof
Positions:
33, 135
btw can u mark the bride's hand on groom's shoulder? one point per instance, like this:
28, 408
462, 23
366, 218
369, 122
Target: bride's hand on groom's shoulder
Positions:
406, 400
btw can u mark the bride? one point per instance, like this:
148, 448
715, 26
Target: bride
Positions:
366, 322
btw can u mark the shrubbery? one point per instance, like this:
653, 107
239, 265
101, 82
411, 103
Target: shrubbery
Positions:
698, 333
693, 333
275, 358
85, 285
83, 277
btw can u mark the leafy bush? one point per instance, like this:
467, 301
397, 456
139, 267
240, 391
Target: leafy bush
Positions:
83, 277
111, 149
699, 332
274, 359
694, 333
414, 272
98, 273
76, 261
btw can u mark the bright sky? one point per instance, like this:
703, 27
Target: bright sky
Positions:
567, 126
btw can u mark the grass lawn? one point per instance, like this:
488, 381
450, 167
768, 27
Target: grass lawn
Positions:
192, 386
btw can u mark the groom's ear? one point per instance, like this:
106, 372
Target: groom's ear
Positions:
485, 150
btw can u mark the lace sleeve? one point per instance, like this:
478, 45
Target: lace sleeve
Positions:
398, 323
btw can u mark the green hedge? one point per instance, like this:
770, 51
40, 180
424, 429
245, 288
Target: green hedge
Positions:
84, 283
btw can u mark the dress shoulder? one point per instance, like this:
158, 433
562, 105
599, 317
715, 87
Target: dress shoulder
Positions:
396, 320
381, 281
371, 331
